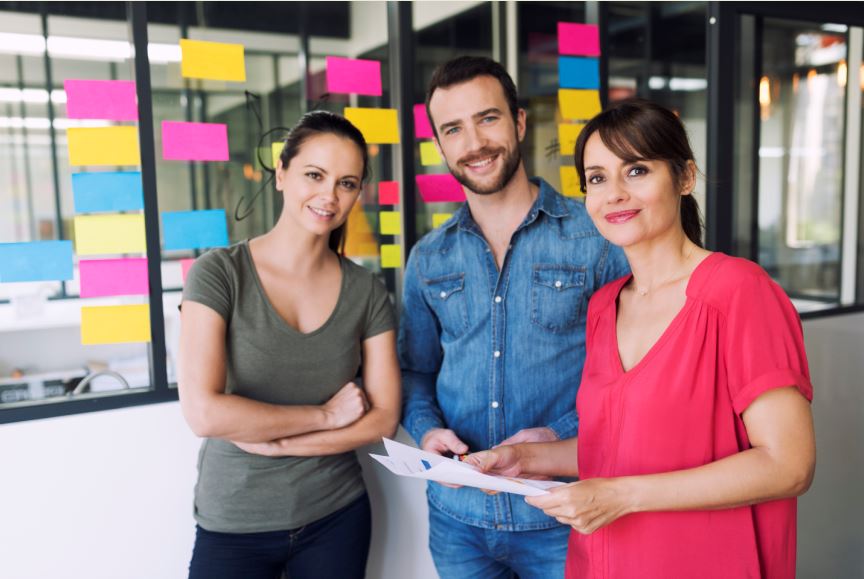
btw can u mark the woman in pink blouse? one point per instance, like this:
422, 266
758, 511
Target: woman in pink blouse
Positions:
695, 429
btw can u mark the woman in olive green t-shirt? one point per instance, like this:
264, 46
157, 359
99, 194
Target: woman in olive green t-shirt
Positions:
273, 333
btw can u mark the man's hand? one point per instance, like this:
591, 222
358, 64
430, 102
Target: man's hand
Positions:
443, 441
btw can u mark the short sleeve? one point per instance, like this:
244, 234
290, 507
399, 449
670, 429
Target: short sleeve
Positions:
209, 283
380, 317
764, 342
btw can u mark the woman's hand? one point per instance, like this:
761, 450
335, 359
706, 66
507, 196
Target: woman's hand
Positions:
345, 407
501, 460
587, 505
271, 448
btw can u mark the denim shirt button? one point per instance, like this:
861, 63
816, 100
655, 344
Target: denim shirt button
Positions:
443, 295
495, 404
557, 284
497, 299
497, 353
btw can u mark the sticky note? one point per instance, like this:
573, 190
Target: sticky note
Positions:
567, 135
276, 151
389, 223
353, 76
570, 182
115, 324
113, 277
578, 104
391, 256
194, 229
212, 60
110, 233
103, 146
183, 141
429, 154
379, 126
107, 191
35, 261
439, 188
388, 193
422, 127
113, 100
438, 219
576, 72
185, 265
578, 39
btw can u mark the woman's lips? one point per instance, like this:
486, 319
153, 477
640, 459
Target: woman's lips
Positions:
621, 216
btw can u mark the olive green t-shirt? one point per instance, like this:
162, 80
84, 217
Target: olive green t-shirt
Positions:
269, 361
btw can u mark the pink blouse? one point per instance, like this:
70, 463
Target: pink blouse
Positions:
736, 337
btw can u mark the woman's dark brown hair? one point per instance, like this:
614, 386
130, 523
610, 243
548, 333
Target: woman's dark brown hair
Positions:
635, 129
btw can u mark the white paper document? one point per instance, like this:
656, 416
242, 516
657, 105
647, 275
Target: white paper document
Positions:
406, 460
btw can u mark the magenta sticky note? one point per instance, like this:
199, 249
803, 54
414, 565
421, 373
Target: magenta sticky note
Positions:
388, 193
194, 141
185, 264
422, 128
440, 188
353, 76
113, 277
578, 39
112, 100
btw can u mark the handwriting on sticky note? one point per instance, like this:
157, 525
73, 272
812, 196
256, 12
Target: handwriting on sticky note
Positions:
194, 141
578, 105
110, 233
388, 193
429, 154
389, 223
439, 188
212, 60
353, 76
115, 324
567, 135
113, 100
194, 229
574, 72
36, 261
391, 256
107, 191
103, 146
422, 128
438, 219
379, 126
570, 182
113, 277
578, 39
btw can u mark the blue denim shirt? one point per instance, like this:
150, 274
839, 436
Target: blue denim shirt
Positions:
488, 353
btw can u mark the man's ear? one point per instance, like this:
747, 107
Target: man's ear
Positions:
521, 119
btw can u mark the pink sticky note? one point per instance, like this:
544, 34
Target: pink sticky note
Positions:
353, 76
112, 100
113, 277
578, 39
194, 141
388, 193
440, 188
422, 128
185, 264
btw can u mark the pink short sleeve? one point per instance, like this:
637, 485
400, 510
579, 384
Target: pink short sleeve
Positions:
764, 343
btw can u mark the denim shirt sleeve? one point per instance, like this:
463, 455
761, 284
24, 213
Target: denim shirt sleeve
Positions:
419, 357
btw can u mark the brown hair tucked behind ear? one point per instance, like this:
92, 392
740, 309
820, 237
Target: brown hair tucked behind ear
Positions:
636, 129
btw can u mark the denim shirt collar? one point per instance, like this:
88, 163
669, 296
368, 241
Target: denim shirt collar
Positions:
547, 202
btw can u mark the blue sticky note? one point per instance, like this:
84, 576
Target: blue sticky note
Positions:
35, 261
576, 72
194, 229
108, 191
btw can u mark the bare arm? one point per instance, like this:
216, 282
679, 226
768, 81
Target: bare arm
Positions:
530, 459
381, 380
779, 465
212, 413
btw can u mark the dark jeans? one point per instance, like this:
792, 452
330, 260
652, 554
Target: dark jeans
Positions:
336, 546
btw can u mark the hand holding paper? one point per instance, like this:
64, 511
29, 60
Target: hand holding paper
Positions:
408, 461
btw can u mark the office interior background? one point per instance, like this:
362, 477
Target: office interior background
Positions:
97, 463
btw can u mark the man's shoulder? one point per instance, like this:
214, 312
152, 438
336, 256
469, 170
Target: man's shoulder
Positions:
440, 237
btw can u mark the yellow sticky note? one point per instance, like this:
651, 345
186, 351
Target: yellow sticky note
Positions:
379, 126
391, 256
438, 219
113, 233
578, 105
276, 149
389, 223
429, 154
567, 135
115, 324
570, 182
103, 146
212, 60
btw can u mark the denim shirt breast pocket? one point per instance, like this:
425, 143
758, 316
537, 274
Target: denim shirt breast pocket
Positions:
557, 295
446, 296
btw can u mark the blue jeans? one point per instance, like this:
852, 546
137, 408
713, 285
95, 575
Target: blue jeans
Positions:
463, 551
336, 546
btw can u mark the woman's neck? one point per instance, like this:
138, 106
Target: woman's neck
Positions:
660, 262
292, 249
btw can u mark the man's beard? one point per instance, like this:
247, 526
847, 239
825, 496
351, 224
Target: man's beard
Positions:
509, 168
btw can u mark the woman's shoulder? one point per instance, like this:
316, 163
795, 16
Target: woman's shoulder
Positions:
724, 278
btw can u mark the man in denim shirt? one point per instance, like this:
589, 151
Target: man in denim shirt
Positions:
492, 334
